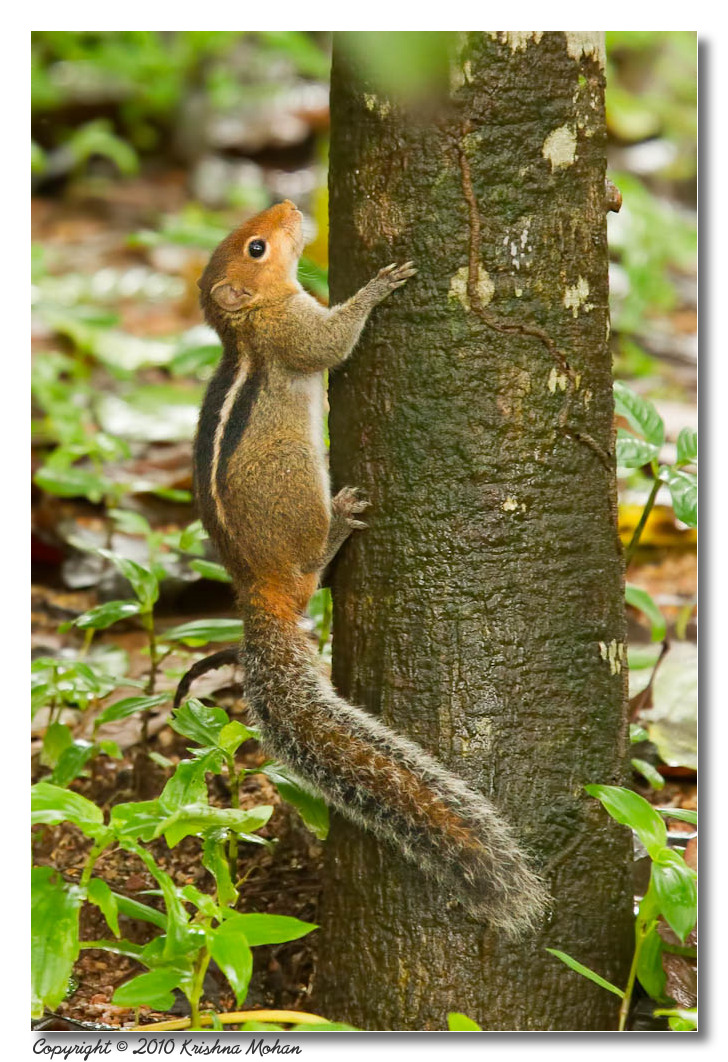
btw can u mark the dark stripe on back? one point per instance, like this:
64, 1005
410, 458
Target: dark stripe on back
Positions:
203, 450
237, 422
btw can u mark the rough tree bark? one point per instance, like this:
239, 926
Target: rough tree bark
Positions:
482, 612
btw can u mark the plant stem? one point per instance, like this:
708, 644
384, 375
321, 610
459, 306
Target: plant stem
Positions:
234, 783
201, 969
640, 933
148, 621
90, 863
634, 541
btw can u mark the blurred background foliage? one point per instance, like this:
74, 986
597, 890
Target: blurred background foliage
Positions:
147, 147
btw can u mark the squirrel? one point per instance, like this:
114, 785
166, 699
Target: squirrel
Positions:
263, 493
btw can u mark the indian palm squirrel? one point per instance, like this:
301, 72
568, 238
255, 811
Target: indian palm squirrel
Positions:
263, 493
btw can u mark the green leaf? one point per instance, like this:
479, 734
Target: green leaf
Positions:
202, 901
233, 735
102, 616
633, 452
116, 947
650, 773
687, 447
210, 570
56, 740
231, 952
130, 522
54, 936
134, 909
215, 860
312, 808
193, 536
676, 890
100, 894
198, 818
632, 810
129, 706
640, 599
684, 492
144, 583
52, 804
681, 814
640, 413
637, 733
153, 989
198, 722
201, 632
187, 785
72, 482
137, 820
270, 929
72, 762
586, 972
457, 1022
680, 1019
650, 971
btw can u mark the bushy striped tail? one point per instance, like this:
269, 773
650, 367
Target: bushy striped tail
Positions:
383, 782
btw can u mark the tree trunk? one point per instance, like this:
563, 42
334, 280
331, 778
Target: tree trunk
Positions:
482, 612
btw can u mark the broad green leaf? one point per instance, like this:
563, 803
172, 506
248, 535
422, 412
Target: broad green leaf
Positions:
684, 493
182, 939
680, 1019
198, 722
210, 570
72, 482
153, 989
72, 762
270, 929
129, 706
310, 807
130, 522
192, 537
637, 733
640, 413
138, 820
197, 818
457, 1022
100, 894
676, 890
135, 909
52, 804
586, 972
215, 860
687, 447
110, 748
650, 773
200, 632
232, 736
650, 972
56, 740
633, 452
231, 952
640, 599
187, 785
102, 616
54, 936
681, 814
144, 583
634, 811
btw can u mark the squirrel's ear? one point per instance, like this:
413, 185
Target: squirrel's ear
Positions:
228, 296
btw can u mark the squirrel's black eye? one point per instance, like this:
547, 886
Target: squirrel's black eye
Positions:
256, 248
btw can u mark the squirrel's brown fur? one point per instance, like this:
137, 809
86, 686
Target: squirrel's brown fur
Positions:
263, 493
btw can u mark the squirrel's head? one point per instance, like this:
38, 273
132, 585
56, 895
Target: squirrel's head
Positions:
254, 264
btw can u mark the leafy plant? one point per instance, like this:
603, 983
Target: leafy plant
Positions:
671, 896
178, 958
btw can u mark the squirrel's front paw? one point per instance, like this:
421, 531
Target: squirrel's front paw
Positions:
346, 505
391, 277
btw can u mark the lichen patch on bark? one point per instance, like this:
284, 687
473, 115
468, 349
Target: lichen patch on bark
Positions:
559, 147
459, 287
580, 44
575, 296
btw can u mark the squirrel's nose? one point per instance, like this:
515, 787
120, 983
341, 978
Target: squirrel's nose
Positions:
289, 203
